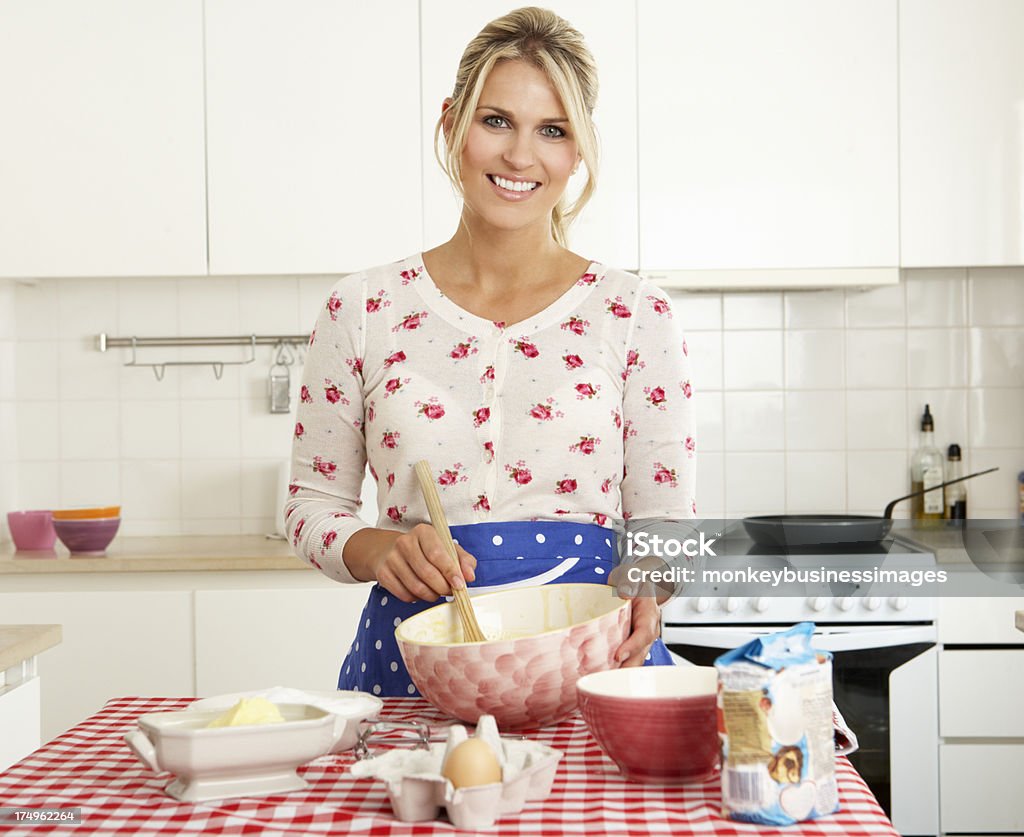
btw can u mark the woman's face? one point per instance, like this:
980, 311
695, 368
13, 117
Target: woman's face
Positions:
519, 151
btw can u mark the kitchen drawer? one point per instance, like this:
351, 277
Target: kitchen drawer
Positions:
982, 619
981, 787
979, 694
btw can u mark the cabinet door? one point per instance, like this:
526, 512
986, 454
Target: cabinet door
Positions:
607, 229
768, 134
113, 645
102, 171
254, 639
961, 132
312, 135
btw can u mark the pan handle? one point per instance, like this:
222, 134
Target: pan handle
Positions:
888, 509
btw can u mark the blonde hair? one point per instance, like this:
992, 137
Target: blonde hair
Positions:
543, 39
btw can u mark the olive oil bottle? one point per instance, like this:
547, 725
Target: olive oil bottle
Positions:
926, 471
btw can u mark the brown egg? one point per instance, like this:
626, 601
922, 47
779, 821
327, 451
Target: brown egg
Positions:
472, 763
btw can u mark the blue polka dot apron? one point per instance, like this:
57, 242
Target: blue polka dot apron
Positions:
513, 554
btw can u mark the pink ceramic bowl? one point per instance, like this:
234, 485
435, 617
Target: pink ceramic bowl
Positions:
32, 530
658, 724
545, 639
87, 537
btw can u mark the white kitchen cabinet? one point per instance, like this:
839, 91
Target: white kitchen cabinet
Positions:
102, 171
252, 639
768, 135
961, 132
981, 788
313, 141
608, 228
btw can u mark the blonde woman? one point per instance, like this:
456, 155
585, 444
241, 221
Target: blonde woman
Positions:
551, 394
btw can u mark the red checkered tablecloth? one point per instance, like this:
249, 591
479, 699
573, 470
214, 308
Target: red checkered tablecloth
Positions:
91, 767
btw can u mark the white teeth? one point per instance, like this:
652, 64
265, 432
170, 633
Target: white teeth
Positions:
515, 185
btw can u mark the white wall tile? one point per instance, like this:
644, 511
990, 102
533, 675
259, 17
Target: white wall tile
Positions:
949, 412
130, 527
36, 369
201, 382
150, 430
752, 360
210, 429
37, 309
89, 430
147, 308
209, 306
313, 294
995, 492
754, 421
259, 488
814, 359
151, 490
257, 525
8, 307
213, 526
211, 489
876, 308
8, 370
997, 357
90, 483
754, 482
937, 357
936, 297
876, 420
750, 311
996, 418
265, 435
710, 485
816, 482
876, 359
705, 353
139, 383
270, 305
84, 373
814, 309
39, 485
697, 311
8, 434
710, 426
873, 478
38, 430
816, 420
996, 296
86, 308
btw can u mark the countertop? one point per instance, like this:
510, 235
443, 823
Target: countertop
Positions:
160, 554
19, 642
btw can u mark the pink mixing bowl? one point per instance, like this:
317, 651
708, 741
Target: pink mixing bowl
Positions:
32, 530
658, 724
545, 638
87, 537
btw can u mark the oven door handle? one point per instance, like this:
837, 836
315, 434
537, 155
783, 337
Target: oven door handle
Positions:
825, 639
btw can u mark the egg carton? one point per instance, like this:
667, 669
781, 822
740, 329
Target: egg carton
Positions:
418, 790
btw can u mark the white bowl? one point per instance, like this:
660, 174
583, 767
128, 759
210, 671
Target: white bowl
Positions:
223, 762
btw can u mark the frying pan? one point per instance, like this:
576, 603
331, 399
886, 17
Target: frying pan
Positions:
823, 529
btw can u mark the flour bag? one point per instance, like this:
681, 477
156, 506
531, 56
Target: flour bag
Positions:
775, 724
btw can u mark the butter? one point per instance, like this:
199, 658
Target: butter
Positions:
249, 711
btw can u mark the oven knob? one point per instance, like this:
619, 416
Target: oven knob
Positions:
701, 604
760, 604
899, 602
817, 603
732, 604
845, 603
873, 603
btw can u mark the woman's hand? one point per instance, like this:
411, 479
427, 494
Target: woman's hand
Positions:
416, 566
646, 627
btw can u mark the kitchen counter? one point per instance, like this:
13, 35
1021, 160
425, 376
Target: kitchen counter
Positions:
159, 554
21, 642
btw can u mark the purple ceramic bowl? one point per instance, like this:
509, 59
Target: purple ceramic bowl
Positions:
87, 537
32, 530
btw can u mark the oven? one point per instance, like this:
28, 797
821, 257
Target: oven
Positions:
885, 666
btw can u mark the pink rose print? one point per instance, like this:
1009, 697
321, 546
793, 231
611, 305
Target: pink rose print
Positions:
528, 349
687, 389
334, 395
304, 395
519, 473
693, 507
488, 375
572, 361
587, 279
665, 476
481, 503
316, 563
299, 430
686, 351
546, 411
600, 519
586, 445
617, 419
396, 512
390, 480
656, 396
660, 305
390, 439
489, 447
450, 476
312, 336
577, 325
566, 486
463, 350
606, 486
324, 468
293, 489
329, 537
691, 446
586, 391
633, 363
392, 386
373, 471
618, 308
562, 511
628, 431
409, 275
498, 324
411, 322
432, 409
375, 303
371, 412
334, 305
481, 415
355, 365
298, 531
393, 358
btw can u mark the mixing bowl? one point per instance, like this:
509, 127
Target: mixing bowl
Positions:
545, 639
87, 536
658, 724
31, 529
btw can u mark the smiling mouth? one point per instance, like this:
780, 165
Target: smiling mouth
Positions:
512, 185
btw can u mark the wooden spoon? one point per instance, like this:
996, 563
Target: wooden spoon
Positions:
470, 627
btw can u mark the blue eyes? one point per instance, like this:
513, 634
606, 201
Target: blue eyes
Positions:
547, 131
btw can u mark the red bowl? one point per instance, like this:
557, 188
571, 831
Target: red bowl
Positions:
87, 537
657, 723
